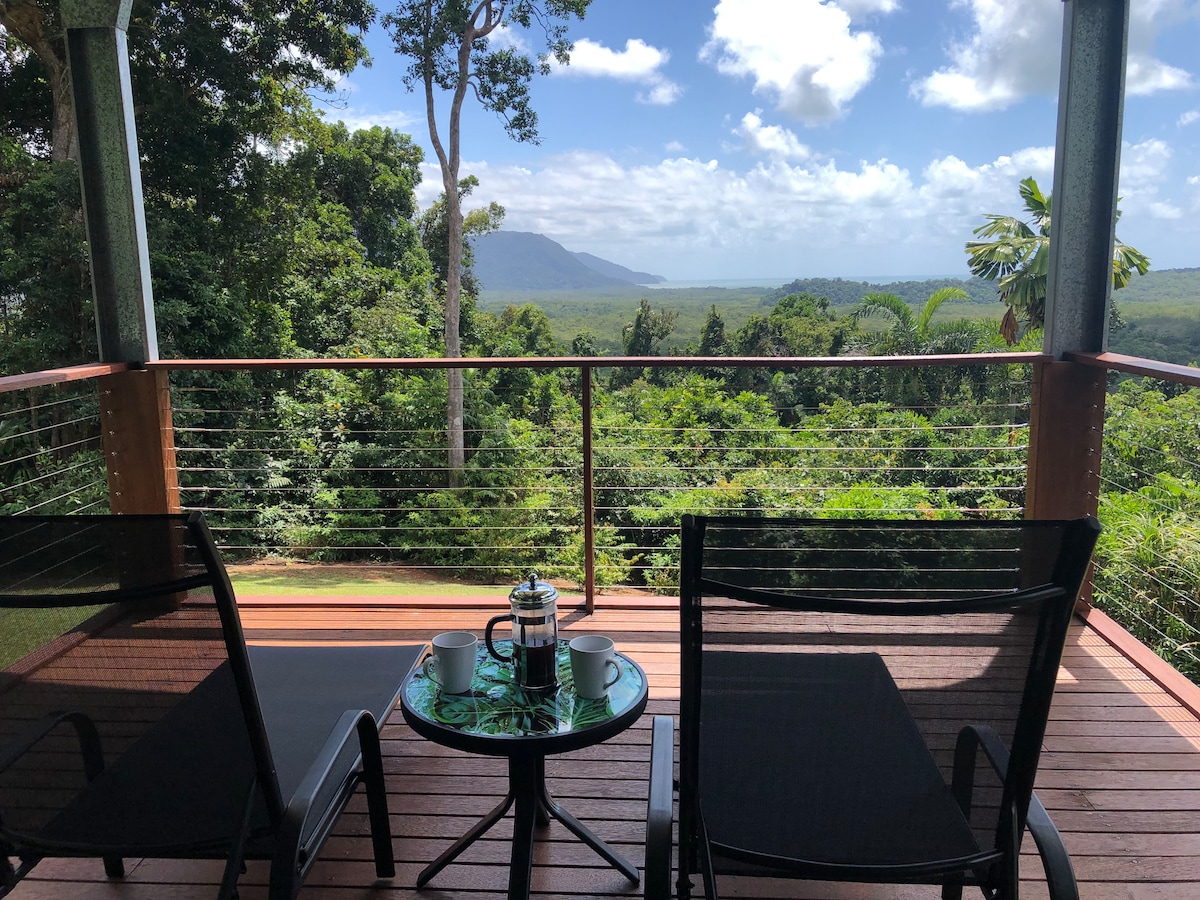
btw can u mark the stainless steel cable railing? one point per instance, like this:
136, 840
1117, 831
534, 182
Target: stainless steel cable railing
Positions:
50, 457
279, 474
1148, 562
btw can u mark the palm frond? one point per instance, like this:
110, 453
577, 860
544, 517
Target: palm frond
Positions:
880, 303
1037, 204
936, 299
1126, 260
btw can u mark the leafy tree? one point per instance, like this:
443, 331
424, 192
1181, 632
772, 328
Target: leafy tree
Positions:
712, 337
219, 87
351, 200
44, 277
372, 174
642, 337
1016, 255
36, 106
648, 329
800, 324
448, 44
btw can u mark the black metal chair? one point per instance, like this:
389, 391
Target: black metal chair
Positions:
136, 722
865, 701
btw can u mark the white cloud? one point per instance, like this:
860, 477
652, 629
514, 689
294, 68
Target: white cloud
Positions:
803, 54
1145, 170
663, 93
1014, 51
638, 62
1144, 74
396, 119
859, 9
1143, 165
687, 217
799, 215
505, 38
1163, 210
770, 140
1188, 118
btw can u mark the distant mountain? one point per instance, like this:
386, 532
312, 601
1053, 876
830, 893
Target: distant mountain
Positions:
521, 260
612, 270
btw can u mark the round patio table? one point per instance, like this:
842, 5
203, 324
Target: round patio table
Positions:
498, 718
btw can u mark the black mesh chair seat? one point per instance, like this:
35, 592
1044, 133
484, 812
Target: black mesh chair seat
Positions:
135, 720
865, 701
878, 793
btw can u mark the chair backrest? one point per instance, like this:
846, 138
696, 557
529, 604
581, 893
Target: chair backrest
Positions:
969, 618
129, 621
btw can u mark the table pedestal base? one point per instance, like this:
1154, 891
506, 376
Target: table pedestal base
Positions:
534, 808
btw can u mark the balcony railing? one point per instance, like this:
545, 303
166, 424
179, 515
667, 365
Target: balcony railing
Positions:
1148, 563
50, 456
587, 484
583, 483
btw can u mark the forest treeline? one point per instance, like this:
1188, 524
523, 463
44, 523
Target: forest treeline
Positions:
844, 293
274, 233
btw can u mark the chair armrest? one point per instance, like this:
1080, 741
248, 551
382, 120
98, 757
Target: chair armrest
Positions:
85, 731
970, 738
295, 816
987, 740
659, 809
1060, 875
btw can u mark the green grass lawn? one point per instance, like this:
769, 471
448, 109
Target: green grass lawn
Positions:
305, 579
25, 630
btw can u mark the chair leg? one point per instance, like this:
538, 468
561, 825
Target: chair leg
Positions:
235, 861
658, 810
376, 791
114, 867
706, 864
952, 890
1060, 875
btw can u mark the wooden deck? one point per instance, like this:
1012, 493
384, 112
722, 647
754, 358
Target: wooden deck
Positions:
1120, 775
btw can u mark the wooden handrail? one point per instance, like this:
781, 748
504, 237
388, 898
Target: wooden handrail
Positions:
606, 362
59, 376
1136, 365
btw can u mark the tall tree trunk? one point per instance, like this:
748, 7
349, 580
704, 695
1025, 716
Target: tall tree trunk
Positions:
455, 439
26, 21
448, 160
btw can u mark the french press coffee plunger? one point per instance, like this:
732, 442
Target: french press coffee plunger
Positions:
534, 634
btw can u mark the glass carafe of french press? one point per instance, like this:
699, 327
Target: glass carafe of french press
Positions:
534, 634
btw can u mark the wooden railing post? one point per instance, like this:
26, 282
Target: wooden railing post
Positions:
1066, 428
138, 440
589, 499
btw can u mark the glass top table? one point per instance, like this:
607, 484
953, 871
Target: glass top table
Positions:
499, 718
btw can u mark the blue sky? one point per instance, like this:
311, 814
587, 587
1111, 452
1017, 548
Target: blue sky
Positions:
699, 139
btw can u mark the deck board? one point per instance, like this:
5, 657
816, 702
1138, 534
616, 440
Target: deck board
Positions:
1120, 775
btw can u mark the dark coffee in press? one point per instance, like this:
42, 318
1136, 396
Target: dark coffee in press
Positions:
536, 667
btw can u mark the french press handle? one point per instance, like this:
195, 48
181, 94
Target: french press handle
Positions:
487, 635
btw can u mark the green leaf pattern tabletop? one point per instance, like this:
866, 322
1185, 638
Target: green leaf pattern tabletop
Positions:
496, 705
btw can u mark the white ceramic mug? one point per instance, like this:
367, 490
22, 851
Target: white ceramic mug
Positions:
452, 665
592, 657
